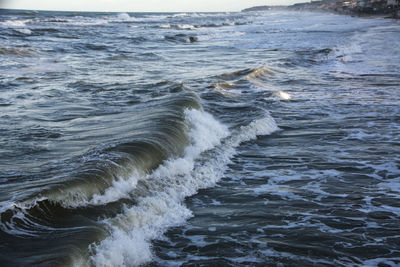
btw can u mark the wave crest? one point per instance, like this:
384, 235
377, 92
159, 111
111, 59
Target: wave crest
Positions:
202, 165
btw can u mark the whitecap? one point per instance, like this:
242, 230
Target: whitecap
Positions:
14, 23
206, 133
82, 21
283, 95
179, 15
123, 16
24, 31
203, 164
165, 26
185, 27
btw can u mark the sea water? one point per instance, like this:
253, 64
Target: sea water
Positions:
199, 139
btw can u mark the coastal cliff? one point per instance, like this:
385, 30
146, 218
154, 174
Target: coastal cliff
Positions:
390, 8
352, 7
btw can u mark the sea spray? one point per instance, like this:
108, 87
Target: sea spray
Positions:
131, 232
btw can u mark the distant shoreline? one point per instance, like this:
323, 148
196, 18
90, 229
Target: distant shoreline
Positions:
366, 8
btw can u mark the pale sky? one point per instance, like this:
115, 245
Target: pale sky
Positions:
141, 5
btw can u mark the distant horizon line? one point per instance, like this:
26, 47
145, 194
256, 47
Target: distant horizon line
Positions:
105, 11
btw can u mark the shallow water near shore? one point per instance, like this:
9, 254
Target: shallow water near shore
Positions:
187, 139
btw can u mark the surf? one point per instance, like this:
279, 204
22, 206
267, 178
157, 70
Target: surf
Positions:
163, 192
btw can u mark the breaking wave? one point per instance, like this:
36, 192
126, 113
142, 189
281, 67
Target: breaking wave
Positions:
163, 192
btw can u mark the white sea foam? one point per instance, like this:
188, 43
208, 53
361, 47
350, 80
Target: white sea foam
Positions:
14, 23
86, 21
24, 31
393, 262
203, 164
179, 15
120, 189
277, 184
147, 18
124, 16
185, 27
24, 205
283, 95
284, 192
369, 206
17, 25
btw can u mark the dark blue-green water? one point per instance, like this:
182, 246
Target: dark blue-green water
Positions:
199, 139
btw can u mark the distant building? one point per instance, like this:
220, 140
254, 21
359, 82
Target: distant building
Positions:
353, 6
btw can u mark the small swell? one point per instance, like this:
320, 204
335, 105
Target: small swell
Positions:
258, 73
248, 74
16, 51
183, 38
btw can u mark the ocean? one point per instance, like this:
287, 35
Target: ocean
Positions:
199, 139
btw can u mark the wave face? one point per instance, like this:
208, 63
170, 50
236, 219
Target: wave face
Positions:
163, 192
210, 139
